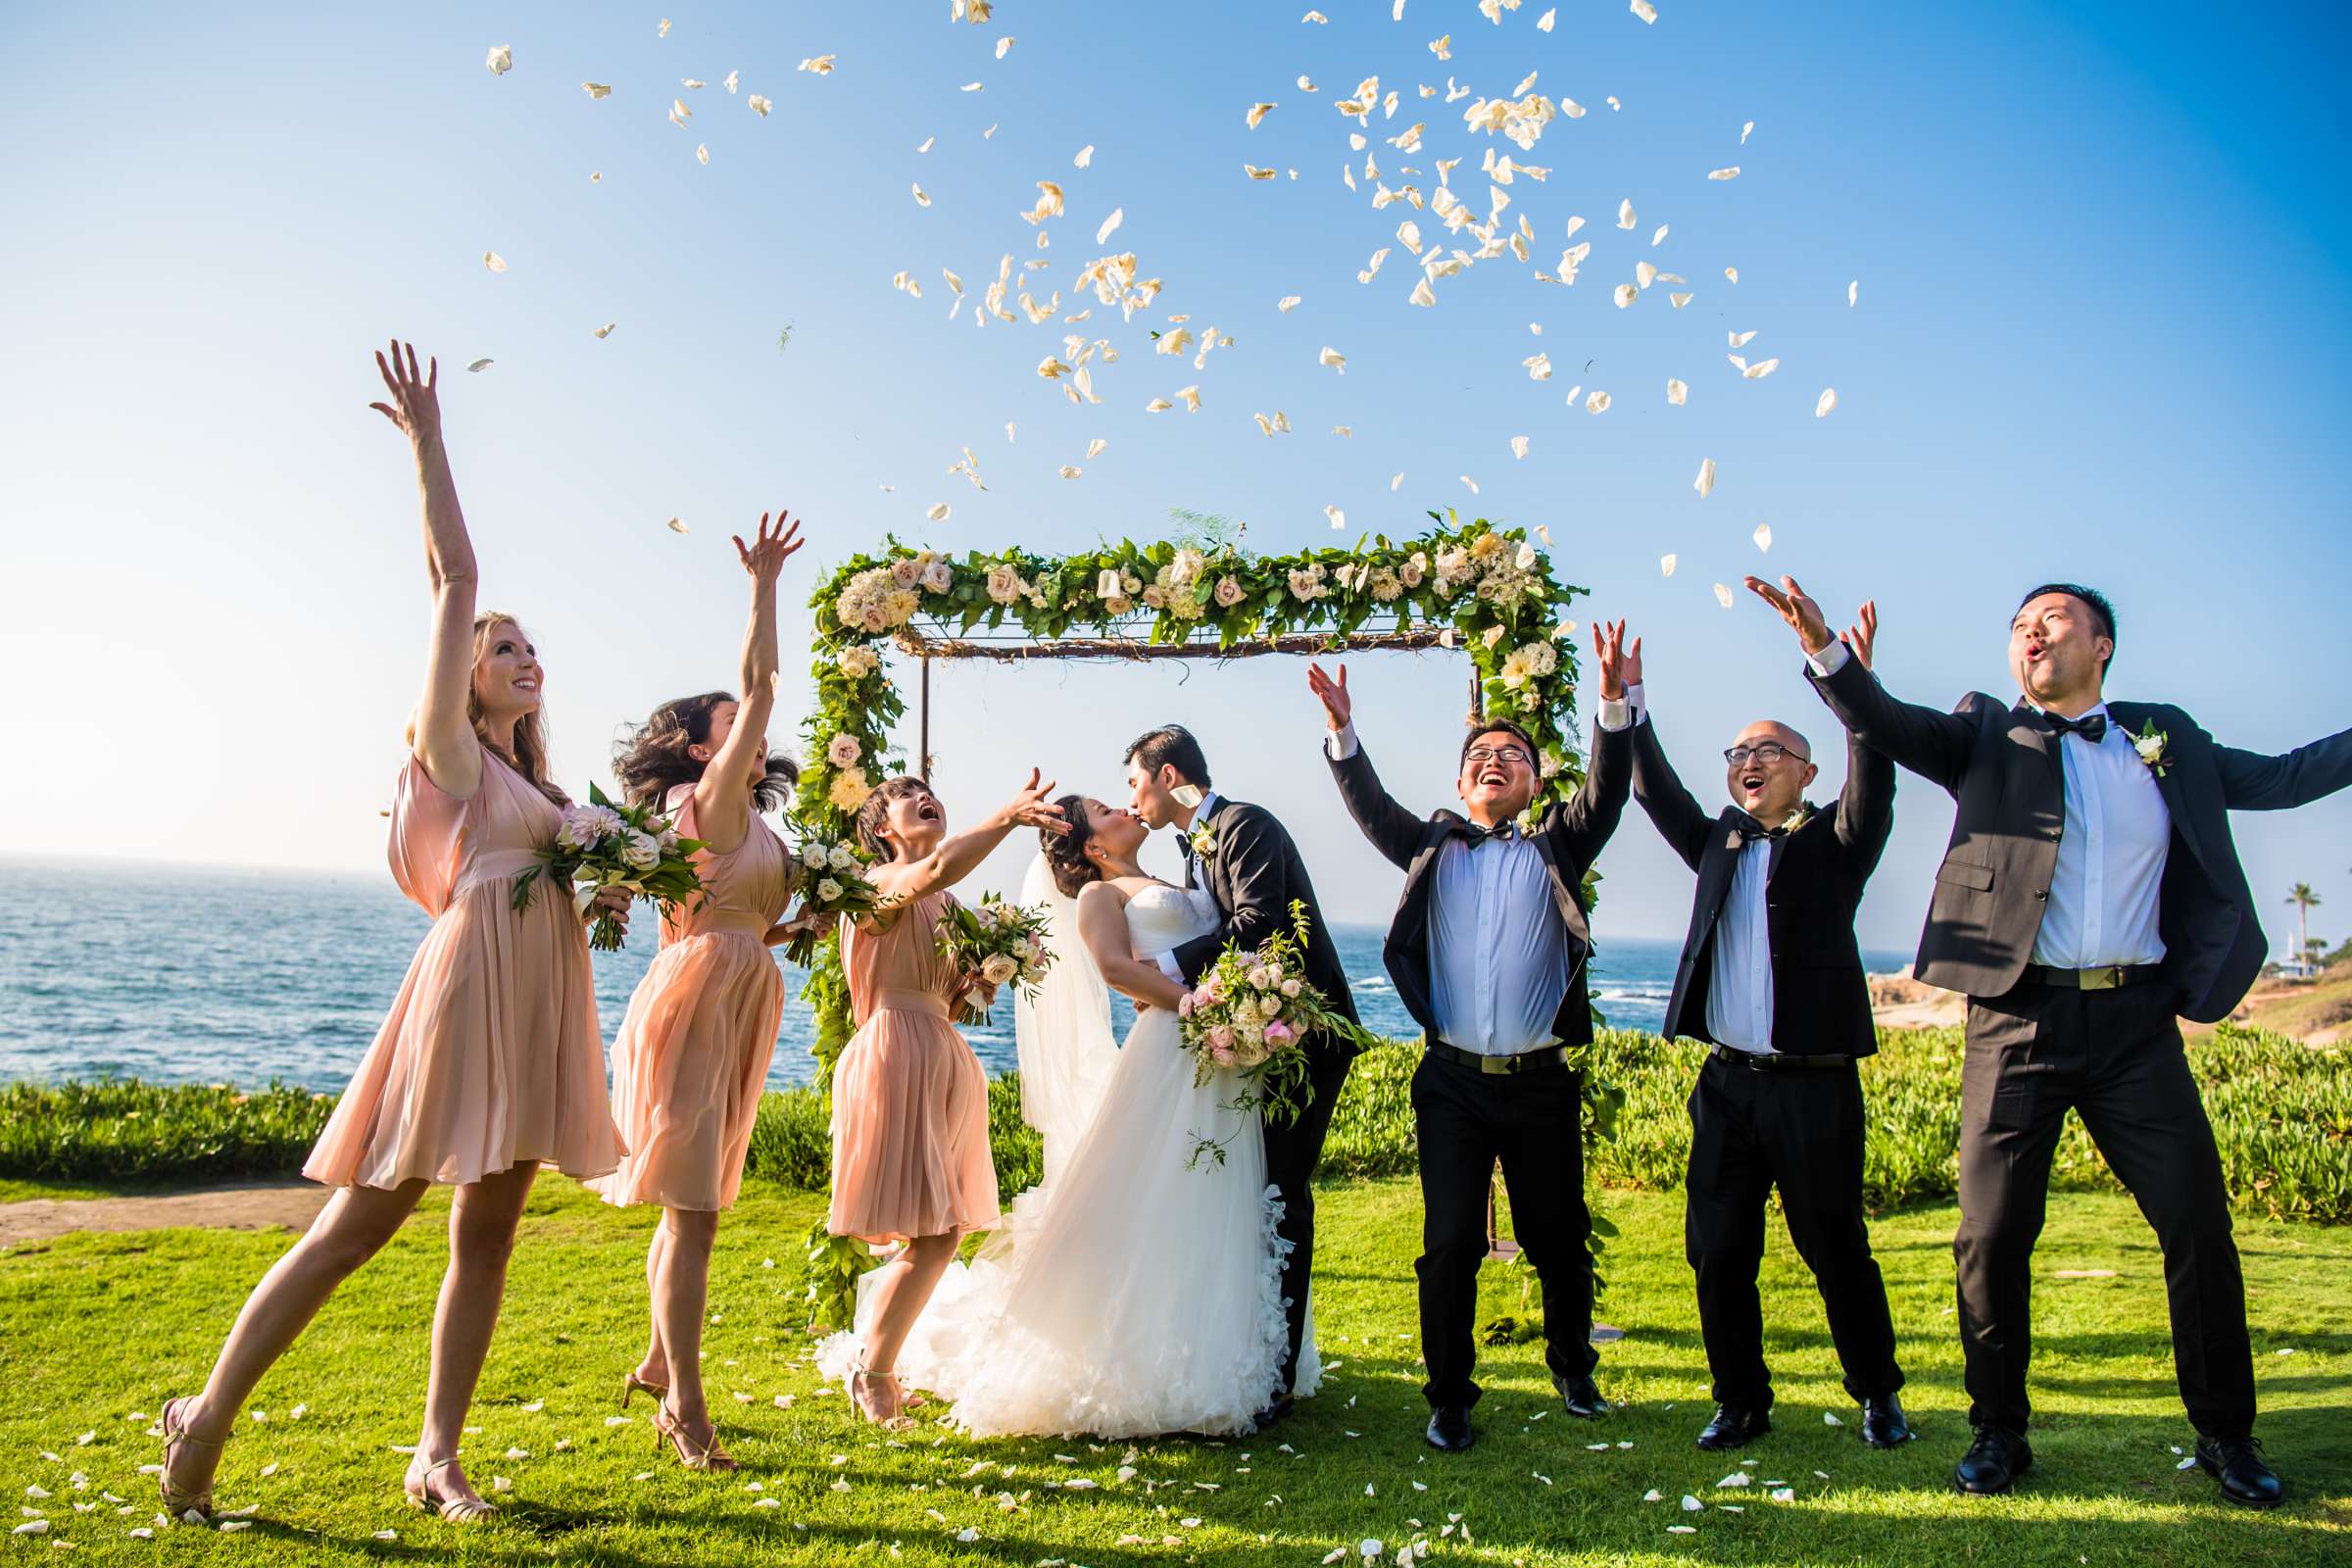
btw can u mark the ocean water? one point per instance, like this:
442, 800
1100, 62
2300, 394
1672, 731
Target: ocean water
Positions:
231, 976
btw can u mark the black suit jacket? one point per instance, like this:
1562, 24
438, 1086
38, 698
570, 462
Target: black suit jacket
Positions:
1570, 838
2002, 765
1820, 995
1255, 874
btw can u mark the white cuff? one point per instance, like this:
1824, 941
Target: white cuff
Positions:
1636, 700
1616, 713
1167, 966
1341, 745
1830, 660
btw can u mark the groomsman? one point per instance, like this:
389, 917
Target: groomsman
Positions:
1488, 951
2090, 893
1772, 978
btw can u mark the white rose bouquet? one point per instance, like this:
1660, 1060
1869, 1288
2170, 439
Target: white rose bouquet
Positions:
996, 944
833, 883
600, 845
1250, 1015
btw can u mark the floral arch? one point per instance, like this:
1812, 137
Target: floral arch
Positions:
1485, 591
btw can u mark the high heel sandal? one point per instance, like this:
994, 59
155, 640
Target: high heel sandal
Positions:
178, 1500
670, 1432
630, 1382
418, 1487
886, 1410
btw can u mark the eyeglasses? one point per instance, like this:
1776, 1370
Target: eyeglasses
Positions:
1496, 753
1768, 754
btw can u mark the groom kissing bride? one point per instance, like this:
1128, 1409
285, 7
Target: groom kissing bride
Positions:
1139, 1290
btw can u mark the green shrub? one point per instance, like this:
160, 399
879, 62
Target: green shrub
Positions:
2282, 1114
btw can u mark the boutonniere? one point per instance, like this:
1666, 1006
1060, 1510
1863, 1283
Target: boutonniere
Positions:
1204, 842
1798, 817
2154, 747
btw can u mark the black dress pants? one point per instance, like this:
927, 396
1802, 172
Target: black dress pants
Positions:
1533, 1121
1799, 1129
2114, 1058
1293, 1150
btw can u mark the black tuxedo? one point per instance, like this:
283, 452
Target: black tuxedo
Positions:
1254, 874
1466, 1119
1755, 1127
1820, 995
2113, 1055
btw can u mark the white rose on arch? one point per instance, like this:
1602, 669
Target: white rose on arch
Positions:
843, 751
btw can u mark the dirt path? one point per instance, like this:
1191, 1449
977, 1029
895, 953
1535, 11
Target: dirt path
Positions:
244, 1206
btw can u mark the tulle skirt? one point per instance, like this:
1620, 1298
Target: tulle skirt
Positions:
688, 1070
910, 1129
1136, 1296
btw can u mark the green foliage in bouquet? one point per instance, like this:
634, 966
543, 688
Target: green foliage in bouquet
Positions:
600, 845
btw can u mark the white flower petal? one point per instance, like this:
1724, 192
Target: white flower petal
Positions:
480, 365
1666, 565
493, 260
1827, 401
1731, 172
1762, 536
674, 526
1704, 484
1645, 10
1625, 212
597, 89
938, 514
1677, 393
502, 59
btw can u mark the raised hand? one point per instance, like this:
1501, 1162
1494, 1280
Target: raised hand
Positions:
1333, 694
764, 558
415, 406
1032, 805
1794, 607
1630, 664
1864, 632
1608, 648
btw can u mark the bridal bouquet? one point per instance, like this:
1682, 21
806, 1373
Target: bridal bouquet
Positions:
835, 885
1252, 1013
601, 846
996, 943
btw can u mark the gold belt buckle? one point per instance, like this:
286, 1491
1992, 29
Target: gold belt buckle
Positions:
1498, 1064
2107, 979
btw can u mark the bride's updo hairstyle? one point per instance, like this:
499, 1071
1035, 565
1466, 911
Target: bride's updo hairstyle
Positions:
1065, 853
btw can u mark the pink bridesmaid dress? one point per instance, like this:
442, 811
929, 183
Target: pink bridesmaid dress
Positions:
490, 1055
692, 1059
909, 1098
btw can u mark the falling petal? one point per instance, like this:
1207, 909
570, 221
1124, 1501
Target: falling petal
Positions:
1118, 216
1827, 402
1760, 369
1286, 303
674, 526
1624, 295
1723, 596
1666, 565
1394, 480
1333, 357
1678, 301
502, 59
1003, 46
759, 105
1070, 470
1625, 212
597, 89
482, 365
921, 200
1257, 112
1645, 10
1518, 446
1762, 536
1731, 172
1597, 403
606, 331
1677, 393
702, 154
1852, 290
1085, 156
493, 260
1743, 131
1338, 518
1473, 484
1732, 273
1704, 484
938, 514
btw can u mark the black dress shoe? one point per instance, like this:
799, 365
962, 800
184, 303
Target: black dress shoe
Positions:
1581, 1396
1993, 1462
1884, 1424
1449, 1429
2237, 1464
1279, 1410
1734, 1428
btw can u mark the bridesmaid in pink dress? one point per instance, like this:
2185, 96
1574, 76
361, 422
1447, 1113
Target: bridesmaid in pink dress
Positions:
692, 1059
489, 1062
910, 1157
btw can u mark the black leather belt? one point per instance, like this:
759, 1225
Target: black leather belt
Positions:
1525, 1061
1777, 1061
2105, 979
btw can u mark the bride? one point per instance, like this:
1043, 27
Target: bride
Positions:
1137, 1290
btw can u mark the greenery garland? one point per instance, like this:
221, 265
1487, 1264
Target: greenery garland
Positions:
1488, 590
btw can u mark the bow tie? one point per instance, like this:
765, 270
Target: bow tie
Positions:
2092, 727
1749, 828
1475, 835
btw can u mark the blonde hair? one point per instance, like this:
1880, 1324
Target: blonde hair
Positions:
529, 755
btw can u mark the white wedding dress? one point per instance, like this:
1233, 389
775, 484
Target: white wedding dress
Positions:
1131, 1296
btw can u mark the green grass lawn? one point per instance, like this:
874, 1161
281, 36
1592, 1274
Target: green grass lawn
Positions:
99, 1328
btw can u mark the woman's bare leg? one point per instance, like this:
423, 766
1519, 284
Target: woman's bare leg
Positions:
353, 1228
655, 1368
481, 1238
680, 1295
901, 1296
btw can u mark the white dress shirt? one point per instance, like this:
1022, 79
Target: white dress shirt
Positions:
1497, 950
2105, 891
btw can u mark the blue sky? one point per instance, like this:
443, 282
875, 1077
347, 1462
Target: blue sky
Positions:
2104, 331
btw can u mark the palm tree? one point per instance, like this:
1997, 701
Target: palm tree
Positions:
2302, 898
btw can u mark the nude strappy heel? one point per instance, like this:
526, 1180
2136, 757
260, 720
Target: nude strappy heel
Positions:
419, 1490
631, 1383
670, 1432
178, 1500
886, 1408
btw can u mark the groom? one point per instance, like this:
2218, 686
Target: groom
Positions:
1488, 950
1247, 861
2091, 897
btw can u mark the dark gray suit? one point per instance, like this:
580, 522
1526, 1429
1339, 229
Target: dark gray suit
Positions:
2114, 1056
